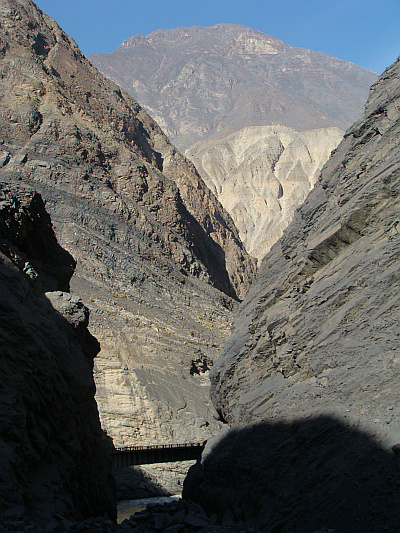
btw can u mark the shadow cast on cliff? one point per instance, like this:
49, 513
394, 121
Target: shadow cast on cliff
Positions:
299, 477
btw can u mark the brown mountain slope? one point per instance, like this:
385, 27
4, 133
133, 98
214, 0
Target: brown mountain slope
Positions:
154, 248
201, 82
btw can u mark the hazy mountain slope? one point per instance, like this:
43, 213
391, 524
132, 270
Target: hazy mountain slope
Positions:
261, 174
201, 82
210, 87
154, 248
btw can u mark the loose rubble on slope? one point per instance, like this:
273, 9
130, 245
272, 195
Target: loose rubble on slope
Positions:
175, 517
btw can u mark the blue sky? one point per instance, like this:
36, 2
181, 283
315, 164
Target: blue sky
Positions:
365, 32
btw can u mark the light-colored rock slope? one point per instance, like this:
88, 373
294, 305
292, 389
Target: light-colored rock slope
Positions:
261, 174
319, 329
153, 245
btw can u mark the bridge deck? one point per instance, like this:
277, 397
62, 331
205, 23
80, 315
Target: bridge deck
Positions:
166, 453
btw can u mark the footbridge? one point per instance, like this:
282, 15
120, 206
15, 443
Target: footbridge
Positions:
166, 453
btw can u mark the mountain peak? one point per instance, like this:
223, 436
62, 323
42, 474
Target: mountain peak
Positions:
208, 82
220, 36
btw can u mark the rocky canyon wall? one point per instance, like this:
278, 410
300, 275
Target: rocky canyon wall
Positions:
159, 261
310, 376
53, 455
321, 319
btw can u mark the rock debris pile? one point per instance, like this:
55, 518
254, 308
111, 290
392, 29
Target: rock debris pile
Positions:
176, 517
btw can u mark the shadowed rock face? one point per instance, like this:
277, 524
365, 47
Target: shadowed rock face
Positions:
202, 83
159, 261
312, 475
53, 458
318, 331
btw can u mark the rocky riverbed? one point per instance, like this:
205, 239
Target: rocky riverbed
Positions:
178, 516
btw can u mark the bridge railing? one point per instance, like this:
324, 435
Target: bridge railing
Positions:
156, 453
155, 447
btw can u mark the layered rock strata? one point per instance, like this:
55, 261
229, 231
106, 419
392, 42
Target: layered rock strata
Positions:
53, 457
159, 261
201, 83
261, 174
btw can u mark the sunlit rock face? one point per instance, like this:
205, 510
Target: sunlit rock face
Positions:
261, 174
317, 331
159, 262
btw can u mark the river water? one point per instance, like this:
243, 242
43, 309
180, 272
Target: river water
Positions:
127, 508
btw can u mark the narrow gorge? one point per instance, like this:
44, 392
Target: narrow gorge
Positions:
129, 283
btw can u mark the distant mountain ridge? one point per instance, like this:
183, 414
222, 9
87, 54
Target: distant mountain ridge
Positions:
201, 83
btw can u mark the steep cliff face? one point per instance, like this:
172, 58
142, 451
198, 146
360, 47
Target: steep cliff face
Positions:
310, 376
202, 83
158, 259
261, 174
318, 329
53, 458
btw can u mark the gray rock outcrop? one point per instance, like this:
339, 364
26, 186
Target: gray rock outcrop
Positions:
312, 365
201, 83
261, 174
314, 475
159, 261
321, 320
53, 458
